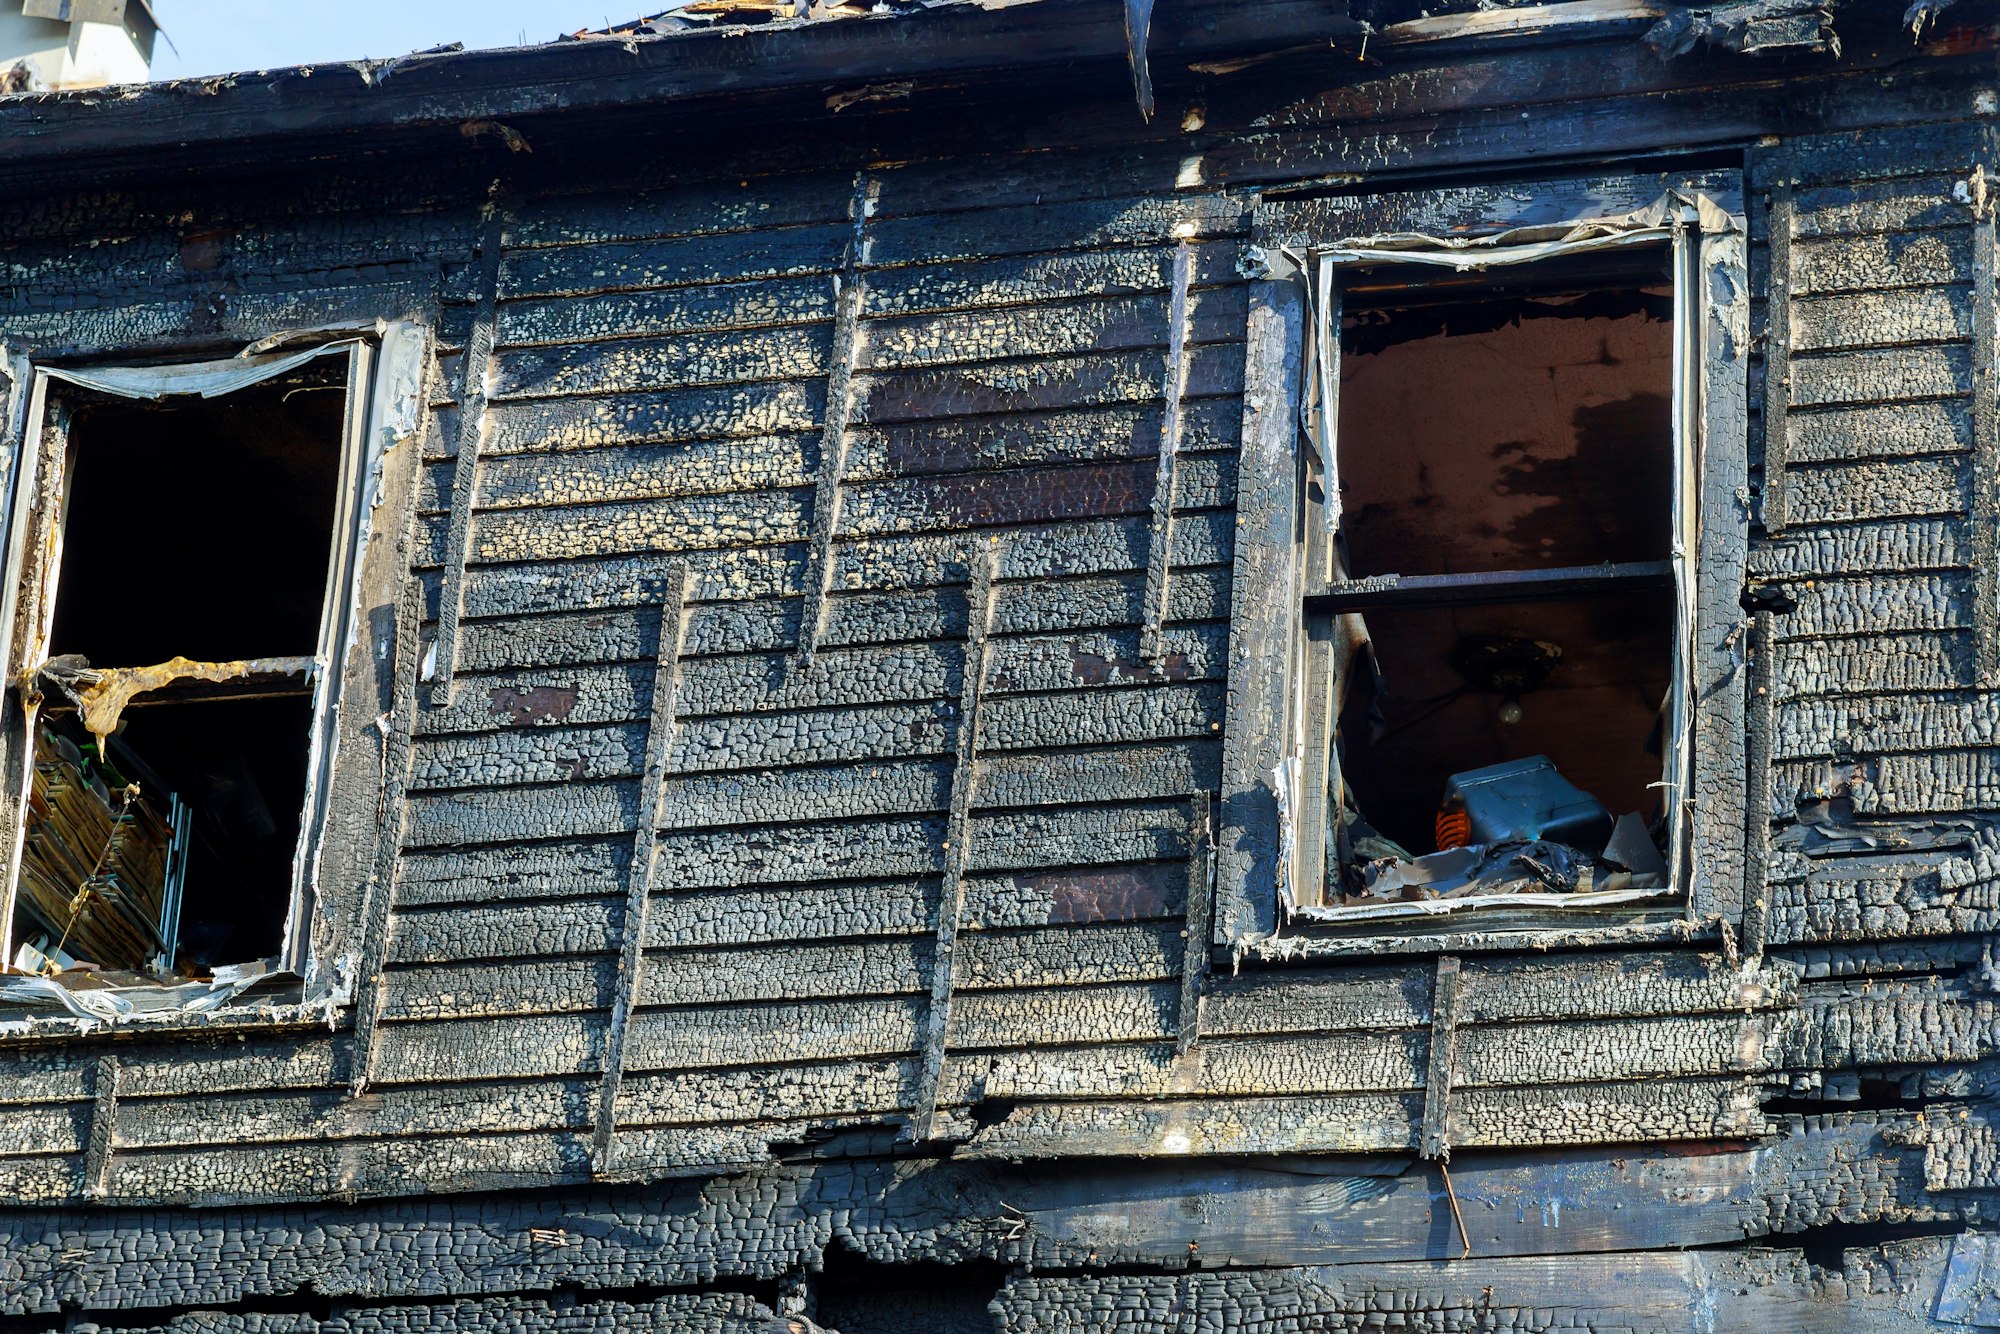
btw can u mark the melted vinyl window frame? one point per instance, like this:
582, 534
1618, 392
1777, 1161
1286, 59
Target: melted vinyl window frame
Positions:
1305, 859
40, 449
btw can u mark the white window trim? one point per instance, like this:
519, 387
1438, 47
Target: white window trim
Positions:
1263, 862
386, 365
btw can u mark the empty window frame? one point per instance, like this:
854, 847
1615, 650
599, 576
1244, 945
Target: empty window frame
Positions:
183, 554
1493, 649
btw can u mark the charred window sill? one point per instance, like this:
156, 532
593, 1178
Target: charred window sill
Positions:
276, 1004
1483, 931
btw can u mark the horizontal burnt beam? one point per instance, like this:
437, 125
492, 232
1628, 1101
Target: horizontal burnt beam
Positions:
1458, 590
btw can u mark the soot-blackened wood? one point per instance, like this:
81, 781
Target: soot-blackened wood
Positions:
103, 1125
1436, 1142
957, 840
850, 295
1200, 913
640, 871
1264, 589
1722, 546
473, 364
1778, 360
1757, 785
1458, 590
1985, 431
391, 822
1159, 547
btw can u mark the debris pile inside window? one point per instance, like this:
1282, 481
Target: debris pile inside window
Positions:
1503, 605
172, 712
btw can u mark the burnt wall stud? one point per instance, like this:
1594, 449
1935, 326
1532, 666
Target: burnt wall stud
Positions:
850, 291
645, 859
1200, 911
1444, 1042
1159, 539
1435, 1142
391, 819
1985, 433
474, 373
957, 841
103, 1125
1757, 802
1778, 363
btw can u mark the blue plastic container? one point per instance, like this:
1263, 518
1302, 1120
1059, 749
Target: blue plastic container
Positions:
1527, 799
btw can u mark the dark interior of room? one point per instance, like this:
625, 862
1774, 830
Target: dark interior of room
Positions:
202, 528
1519, 423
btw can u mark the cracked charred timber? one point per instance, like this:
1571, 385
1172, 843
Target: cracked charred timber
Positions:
845, 741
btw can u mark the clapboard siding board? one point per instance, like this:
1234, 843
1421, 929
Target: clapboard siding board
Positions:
1862, 432
760, 683
886, 564
707, 308
1833, 550
978, 284
552, 475
874, 732
685, 519
698, 207
921, 612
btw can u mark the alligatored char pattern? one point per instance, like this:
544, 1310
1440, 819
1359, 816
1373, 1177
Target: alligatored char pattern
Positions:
797, 366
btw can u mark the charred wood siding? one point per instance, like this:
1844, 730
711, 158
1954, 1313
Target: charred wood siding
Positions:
657, 401
1884, 442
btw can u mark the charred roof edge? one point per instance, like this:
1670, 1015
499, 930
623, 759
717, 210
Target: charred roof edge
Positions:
41, 132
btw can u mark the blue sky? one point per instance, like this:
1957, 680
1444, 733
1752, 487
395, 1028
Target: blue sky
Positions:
220, 36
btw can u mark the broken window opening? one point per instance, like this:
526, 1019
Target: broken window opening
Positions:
181, 555
1492, 702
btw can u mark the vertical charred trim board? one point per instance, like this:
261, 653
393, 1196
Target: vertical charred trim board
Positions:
1318, 837
1436, 1142
850, 287
957, 837
1778, 361
1159, 541
473, 365
1985, 445
20, 436
1757, 788
1263, 610
639, 876
390, 818
103, 1124
1716, 880
1200, 908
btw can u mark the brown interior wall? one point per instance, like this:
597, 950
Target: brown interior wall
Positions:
1544, 442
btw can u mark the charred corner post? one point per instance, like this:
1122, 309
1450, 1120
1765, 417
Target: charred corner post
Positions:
974, 666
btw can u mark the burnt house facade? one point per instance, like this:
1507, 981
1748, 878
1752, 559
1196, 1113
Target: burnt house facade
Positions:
1039, 666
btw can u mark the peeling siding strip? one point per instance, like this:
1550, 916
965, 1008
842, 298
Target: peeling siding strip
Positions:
473, 370
1200, 909
1985, 447
391, 818
1159, 544
640, 875
957, 837
103, 1123
849, 288
1444, 1042
1778, 362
